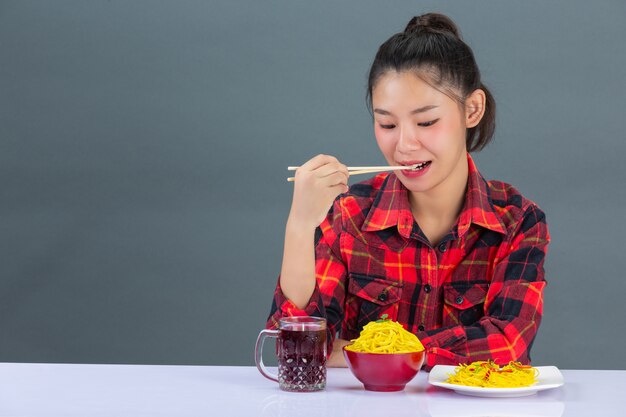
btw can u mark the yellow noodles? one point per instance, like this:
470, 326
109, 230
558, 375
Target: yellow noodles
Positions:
385, 336
487, 374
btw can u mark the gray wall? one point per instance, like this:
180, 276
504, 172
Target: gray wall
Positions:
143, 147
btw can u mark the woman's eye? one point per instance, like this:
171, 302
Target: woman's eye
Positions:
426, 124
387, 126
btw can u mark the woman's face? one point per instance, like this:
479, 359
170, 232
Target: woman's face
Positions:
415, 123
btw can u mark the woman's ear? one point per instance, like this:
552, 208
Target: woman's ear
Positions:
474, 108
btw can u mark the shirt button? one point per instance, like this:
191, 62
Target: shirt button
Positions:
420, 327
459, 300
427, 288
382, 296
442, 247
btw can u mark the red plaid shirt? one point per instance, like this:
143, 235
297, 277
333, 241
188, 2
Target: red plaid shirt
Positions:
477, 295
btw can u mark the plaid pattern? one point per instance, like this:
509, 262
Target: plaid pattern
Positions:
477, 295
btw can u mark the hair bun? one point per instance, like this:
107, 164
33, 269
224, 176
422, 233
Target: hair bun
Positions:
432, 23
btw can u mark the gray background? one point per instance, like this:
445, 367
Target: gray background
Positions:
144, 147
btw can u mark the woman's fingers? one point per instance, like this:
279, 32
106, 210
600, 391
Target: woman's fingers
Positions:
320, 167
336, 178
316, 162
332, 169
318, 182
339, 189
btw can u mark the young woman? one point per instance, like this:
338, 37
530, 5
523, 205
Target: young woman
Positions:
456, 259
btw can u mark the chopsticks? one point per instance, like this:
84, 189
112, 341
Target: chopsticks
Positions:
364, 170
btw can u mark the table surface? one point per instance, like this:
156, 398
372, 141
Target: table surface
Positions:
160, 390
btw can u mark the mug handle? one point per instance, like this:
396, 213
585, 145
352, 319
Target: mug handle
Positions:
258, 353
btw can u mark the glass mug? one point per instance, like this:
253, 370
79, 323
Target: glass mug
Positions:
301, 351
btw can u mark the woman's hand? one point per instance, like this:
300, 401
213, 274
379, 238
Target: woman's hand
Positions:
336, 358
317, 183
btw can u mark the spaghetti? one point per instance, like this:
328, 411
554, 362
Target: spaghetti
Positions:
488, 374
385, 336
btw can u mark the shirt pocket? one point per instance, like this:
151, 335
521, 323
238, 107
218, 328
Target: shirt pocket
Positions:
369, 298
464, 304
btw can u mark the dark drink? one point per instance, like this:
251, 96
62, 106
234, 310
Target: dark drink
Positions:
302, 358
301, 352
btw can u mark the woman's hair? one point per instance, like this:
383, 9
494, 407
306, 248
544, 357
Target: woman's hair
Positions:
432, 47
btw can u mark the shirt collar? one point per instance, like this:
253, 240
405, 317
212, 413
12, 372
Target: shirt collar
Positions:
391, 206
478, 207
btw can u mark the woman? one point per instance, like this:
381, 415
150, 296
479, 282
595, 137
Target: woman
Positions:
456, 259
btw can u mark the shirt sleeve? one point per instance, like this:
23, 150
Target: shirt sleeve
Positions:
513, 304
328, 296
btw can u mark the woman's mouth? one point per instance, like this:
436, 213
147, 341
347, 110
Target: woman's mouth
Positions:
417, 169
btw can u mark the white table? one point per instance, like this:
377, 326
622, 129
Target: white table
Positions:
149, 390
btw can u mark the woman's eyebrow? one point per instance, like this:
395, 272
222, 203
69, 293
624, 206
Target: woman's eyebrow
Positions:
419, 110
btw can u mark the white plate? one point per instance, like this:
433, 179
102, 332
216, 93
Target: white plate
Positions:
549, 377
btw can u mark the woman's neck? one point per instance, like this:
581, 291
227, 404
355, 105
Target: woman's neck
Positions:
437, 210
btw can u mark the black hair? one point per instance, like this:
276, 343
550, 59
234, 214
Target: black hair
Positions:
431, 45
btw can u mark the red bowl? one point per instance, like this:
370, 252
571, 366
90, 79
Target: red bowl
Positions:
384, 371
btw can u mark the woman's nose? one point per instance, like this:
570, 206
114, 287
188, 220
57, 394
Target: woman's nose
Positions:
409, 140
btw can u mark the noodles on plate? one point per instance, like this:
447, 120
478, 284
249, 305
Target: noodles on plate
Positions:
488, 374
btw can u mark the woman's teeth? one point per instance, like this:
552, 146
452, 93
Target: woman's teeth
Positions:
417, 167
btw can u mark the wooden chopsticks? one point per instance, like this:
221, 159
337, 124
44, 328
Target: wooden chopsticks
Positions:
364, 170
